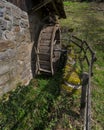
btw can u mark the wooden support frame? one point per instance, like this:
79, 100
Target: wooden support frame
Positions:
39, 6
53, 3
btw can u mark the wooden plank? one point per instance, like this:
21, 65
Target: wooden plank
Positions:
44, 57
44, 51
48, 34
51, 56
43, 62
40, 53
44, 48
48, 30
85, 79
45, 43
46, 67
45, 38
44, 70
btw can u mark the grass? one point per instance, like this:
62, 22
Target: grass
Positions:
41, 105
88, 24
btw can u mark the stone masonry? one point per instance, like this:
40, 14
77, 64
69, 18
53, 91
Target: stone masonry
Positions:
15, 46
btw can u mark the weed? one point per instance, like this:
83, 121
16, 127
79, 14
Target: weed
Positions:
41, 105
88, 24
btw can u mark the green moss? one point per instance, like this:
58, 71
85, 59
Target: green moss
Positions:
71, 75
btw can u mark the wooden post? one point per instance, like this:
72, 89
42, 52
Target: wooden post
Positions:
85, 78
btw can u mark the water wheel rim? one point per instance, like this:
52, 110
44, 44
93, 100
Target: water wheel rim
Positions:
53, 43
52, 29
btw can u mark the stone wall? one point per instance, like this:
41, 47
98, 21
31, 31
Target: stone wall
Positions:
17, 36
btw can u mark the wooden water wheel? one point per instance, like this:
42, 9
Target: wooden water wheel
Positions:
47, 50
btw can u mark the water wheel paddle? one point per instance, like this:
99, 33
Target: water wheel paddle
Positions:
47, 49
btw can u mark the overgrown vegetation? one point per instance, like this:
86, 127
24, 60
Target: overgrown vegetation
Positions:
87, 21
37, 106
41, 105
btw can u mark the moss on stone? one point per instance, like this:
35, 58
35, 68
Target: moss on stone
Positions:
71, 77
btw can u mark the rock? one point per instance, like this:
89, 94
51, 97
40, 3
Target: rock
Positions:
1, 34
6, 88
1, 14
8, 11
9, 26
3, 24
17, 29
3, 56
4, 68
20, 37
16, 21
7, 17
8, 35
4, 79
11, 53
1, 5
24, 24
4, 45
24, 15
16, 12
15, 47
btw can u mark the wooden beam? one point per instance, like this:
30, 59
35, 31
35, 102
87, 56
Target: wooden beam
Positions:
39, 6
54, 6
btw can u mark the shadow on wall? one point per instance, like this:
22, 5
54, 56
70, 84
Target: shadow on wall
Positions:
35, 25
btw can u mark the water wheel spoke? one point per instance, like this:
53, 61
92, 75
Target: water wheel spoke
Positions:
47, 42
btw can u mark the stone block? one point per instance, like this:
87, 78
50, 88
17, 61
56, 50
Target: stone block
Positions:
16, 12
27, 64
6, 87
19, 67
16, 21
3, 1
26, 81
3, 56
4, 45
4, 79
1, 32
8, 55
28, 38
3, 24
25, 74
15, 50
11, 53
20, 57
24, 24
1, 13
1, 5
7, 17
8, 11
9, 25
16, 29
13, 72
8, 35
19, 38
23, 48
24, 15
4, 68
